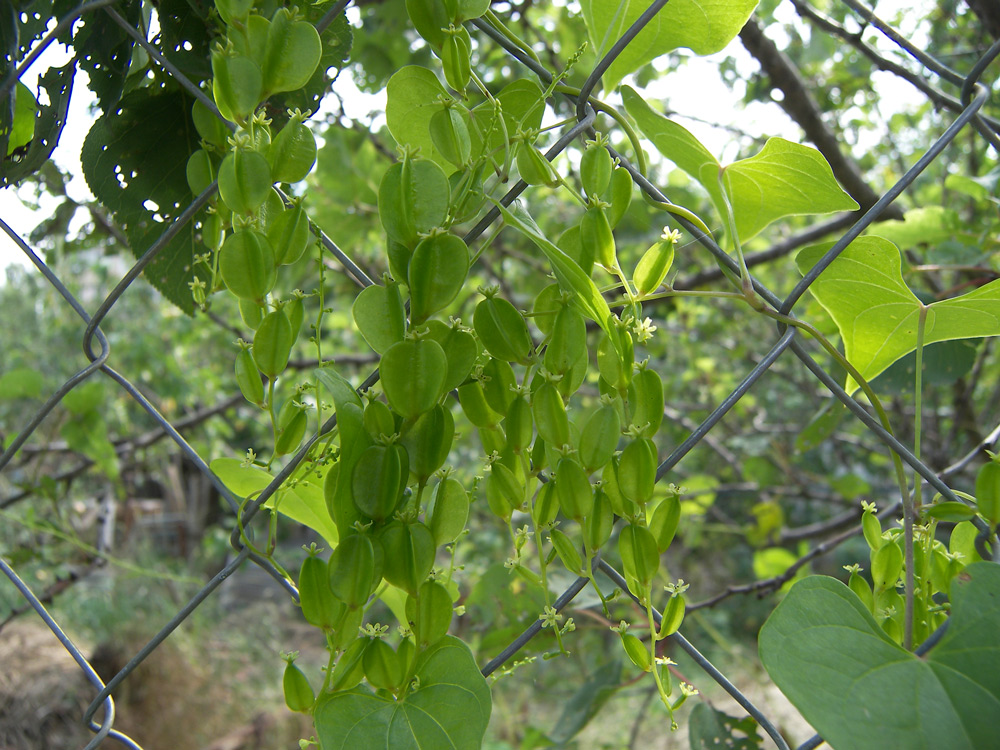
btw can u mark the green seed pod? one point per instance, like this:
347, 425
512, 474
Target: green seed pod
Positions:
319, 606
621, 195
338, 485
872, 529
616, 371
272, 343
248, 378
246, 263
502, 330
550, 415
200, 171
459, 347
860, 586
545, 509
292, 153
449, 511
209, 127
428, 441
299, 695
663, 521
456, 60
637, 651
430, 18
637, 470
409, 554
410, 201
640, 557
244, 181
504, 491
546, 306
412, 374
518, 424
988, 492
379, 420
570, 383
568, 343
567, 551
609, 483
350, 667
379, 314
383, 667
378, 480
353, 570
673, 616
450, 135
289, 235
291, 432
474, 405
595, 167
295, 310
887, 564
575, 493
600, 522
499, 383
653, 266
237, 82
597, 238
432, 613
599, 438
436, 274
647, 406
292, 53
533, 167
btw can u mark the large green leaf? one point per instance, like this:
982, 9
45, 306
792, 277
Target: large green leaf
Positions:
861, 691
46, 130
703, 26
448, 711
134, 160
877, 314
783, 179
304, 502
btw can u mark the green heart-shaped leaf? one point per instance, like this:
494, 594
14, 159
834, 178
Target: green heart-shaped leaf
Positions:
703, 26
783, 179
448, 711
877, 314
861, 691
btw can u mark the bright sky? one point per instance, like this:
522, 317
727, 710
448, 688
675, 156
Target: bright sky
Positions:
697, 89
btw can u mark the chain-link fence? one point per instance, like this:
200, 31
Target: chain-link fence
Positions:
965, 107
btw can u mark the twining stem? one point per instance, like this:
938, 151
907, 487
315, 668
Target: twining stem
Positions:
496, 23
619, 118
909, 504
897, 462
745, 283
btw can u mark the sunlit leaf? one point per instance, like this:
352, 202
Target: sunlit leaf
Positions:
877, 314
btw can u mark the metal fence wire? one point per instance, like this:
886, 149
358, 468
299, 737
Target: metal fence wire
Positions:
966, 110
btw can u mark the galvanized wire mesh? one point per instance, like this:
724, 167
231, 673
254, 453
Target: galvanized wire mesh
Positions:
966, 108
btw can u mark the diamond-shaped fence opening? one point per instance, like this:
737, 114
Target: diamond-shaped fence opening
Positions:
787, 342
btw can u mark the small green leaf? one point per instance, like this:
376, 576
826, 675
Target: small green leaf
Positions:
783, 179
703, 26
877, 314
